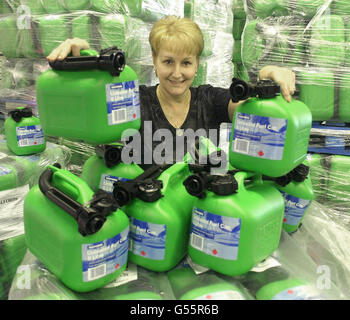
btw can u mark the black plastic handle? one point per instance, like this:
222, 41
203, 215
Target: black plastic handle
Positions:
145, 186
89, 219
111, 60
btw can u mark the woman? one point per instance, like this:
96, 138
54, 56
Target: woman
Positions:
174, 108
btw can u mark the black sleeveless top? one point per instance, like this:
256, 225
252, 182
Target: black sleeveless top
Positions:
208, 109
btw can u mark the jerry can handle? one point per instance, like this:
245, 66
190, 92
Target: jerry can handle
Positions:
241, 176
88, 52
71, 181
89, 220
110, 59
55, 195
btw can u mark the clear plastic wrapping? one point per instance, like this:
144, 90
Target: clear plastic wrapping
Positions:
330, 180
33, 281
12, 251
290, 266
309, 37
315, 258
323, 237
34, 28
241, 36
17, 175
215, 18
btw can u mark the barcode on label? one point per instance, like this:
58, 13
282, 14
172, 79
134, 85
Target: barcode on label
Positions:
241, 146
197, 242
97, 272
23, 142
131, 245
119, 115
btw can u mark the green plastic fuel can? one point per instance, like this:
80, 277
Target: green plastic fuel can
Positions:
8, 177
81, 237
23, 132
298, 196
160, 215
92, 98
234, 226
288, 289
269, 135
105, 168
15, 172
189, 286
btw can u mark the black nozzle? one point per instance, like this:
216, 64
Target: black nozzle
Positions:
284, 180
145, 186
18, 114
123, 192
111, 154
89, 222
110, 59
149, 191
300, 173
224, 185
196, 185
241, 90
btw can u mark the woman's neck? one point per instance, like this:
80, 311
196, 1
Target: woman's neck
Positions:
175, 109
173, 101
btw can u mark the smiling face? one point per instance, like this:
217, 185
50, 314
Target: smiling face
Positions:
175, 70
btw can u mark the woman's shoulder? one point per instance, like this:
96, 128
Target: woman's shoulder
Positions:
208, 91
147, 90
148, 97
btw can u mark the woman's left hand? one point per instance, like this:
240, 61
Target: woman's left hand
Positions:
284, 77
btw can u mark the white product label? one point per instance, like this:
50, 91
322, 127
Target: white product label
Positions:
215, 235
147, 239
260, 137
30, 136
222, 295
294, 209
298, 293
105, 257
107, 181
129, 274
123, 102
11, 212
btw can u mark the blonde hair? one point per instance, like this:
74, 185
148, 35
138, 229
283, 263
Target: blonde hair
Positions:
180, 35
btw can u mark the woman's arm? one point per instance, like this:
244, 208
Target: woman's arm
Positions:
65, 48
284, 77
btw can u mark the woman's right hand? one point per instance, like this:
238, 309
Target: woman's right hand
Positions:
65, 48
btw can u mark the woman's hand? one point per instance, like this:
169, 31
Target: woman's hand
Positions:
284, 77
65, 48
